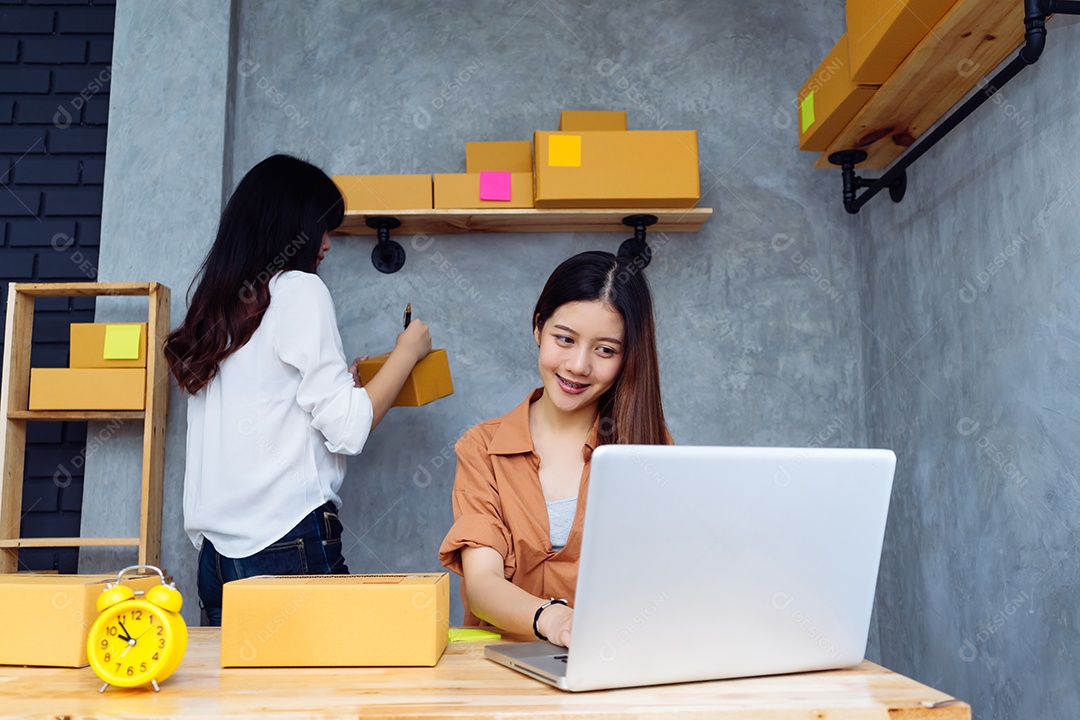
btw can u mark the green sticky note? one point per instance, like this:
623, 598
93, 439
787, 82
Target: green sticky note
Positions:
564, 151
806, 111
122, 342
472, 635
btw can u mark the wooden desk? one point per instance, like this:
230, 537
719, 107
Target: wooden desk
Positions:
463, 684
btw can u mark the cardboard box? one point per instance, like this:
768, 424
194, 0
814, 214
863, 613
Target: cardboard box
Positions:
463, 191
429, 380
585, 120
87, 389
335, 620
48, 617
829, 100
514, 156
623, 169
88, 346
376, 193
883, 34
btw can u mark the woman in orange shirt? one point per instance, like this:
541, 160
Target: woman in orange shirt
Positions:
519, 492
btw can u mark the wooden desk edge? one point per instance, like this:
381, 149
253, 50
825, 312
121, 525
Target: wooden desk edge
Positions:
463, 684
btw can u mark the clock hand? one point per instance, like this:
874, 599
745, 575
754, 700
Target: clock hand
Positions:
126, 637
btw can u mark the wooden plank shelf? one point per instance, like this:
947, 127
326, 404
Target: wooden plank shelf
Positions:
969, 42
443, 222
68, 542
86, 289
76, 415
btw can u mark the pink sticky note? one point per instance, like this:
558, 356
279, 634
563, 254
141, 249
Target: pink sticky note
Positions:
495, 186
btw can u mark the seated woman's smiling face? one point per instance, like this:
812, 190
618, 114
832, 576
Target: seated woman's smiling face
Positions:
581, 353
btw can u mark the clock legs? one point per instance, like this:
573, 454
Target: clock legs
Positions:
152, 682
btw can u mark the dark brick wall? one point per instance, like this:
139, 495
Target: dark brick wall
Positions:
55, 60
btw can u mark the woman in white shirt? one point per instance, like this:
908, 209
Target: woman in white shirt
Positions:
274, 407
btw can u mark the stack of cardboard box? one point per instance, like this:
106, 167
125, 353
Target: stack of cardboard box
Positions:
880, 36
107, 371
497, 175
591, 161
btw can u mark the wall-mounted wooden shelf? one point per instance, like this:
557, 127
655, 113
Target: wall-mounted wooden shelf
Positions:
15, 413
969, 42
76, 415
442, 222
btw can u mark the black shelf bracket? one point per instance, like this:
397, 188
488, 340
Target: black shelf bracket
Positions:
637, 248
895, 179
387, 256
847, 160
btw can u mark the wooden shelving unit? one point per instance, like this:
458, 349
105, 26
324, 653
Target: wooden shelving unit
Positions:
442, 222
968, 44
14, 401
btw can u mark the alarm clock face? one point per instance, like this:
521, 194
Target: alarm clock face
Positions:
134, 642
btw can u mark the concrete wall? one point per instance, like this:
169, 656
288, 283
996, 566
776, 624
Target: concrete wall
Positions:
971, 305
164, 181
758, 313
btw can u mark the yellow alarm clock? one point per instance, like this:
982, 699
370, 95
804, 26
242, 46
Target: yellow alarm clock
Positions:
137, 640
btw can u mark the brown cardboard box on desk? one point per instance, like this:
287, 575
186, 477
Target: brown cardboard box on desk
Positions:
335, 620
107, 371
617, 169
47, 618
429, 380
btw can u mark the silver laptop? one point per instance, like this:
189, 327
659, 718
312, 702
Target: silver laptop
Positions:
700, 563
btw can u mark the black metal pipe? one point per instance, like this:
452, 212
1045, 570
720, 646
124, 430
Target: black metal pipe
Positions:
1035, 37
1035, 22
1008, 73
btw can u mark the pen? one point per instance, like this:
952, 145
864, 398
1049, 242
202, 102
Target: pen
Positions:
408, 316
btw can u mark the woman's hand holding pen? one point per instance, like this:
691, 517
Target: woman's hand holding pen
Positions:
414, 340
413, 344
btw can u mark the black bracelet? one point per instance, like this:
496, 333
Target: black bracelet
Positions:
536, 617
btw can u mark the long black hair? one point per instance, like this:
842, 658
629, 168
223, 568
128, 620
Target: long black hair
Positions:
274, 221
631, 411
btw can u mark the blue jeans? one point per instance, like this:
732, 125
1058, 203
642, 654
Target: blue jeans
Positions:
313, 547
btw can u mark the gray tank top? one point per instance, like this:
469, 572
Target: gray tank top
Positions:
560, 518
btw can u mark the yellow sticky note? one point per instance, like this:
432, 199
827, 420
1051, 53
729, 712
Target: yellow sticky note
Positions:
472, 635
806, 111
122, 342
564, 151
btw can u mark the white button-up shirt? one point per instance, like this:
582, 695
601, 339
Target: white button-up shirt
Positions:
266, 437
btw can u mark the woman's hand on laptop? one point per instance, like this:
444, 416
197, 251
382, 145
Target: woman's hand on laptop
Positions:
555, 624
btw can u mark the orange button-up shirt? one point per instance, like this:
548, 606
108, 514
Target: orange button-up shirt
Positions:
499, 503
